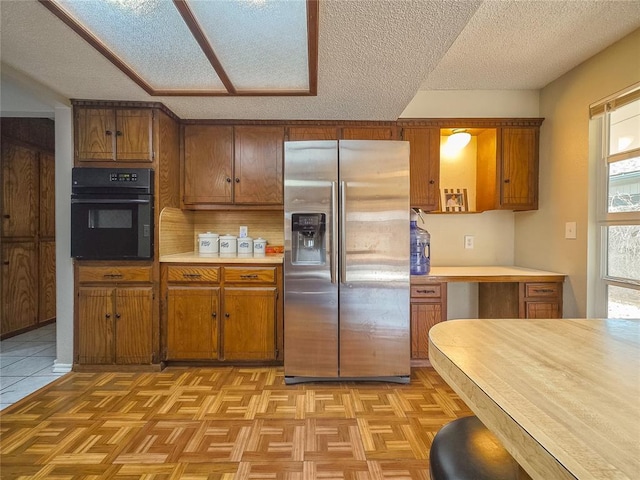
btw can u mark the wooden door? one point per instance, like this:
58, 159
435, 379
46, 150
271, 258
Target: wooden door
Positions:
47, 196
19, 191
249, 323
19, 286
192, 323
95, 331
47, 281
313, 133
423, 317
519, 168
134, 135
95, 134
208, 164
424, 166
369, 133
258, 165
133, 322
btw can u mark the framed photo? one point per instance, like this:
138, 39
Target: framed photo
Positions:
454, 200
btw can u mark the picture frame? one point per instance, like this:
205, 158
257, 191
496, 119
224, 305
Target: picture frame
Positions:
455, 200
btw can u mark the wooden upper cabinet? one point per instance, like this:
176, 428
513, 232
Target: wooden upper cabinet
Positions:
20, 184
114, 134
47, 195
313, 133
370, 133
424, 166
208, 164
518, 168
258, 165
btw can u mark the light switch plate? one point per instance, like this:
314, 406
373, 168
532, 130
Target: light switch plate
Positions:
570, 230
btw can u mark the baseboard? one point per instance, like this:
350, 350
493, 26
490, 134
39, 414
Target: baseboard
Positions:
61, 367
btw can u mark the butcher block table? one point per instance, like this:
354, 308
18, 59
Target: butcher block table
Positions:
563, 395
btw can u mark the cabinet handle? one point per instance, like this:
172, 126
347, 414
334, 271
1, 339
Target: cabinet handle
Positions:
117, 315
426, 291
108, 132
6, 216
108, 315
543, 290
506, 180
252, 276
214, 315
112, 275
228, 180
432, 182
118, 133
227, 315
191, 275
237, 180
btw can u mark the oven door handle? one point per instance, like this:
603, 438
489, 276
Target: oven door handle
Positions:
104, 201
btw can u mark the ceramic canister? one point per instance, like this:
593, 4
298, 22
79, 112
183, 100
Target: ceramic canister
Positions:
245, 245
208, 242
228, 244
259, 246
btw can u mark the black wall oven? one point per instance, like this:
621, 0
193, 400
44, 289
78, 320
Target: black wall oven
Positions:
112, 213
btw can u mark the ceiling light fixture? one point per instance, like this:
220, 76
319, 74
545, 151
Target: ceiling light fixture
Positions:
458, 139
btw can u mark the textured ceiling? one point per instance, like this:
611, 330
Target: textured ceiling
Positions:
374, 55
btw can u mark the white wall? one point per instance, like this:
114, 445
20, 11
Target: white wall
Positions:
565, 184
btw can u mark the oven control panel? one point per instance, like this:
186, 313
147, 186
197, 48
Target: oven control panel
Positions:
123, 177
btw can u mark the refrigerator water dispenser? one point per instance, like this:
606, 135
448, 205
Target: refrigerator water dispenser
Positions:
308, 242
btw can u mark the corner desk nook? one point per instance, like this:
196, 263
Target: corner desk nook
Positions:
503, 292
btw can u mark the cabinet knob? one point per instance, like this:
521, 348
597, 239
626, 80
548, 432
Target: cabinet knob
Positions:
214, 315
431, 182
117, 315
108, 132
228, 180
108, 315
118, 133
6, 216
226, 315
6, 262
237, 180
506, 180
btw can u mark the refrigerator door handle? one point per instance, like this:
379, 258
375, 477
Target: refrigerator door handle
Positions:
333, 259
343, 232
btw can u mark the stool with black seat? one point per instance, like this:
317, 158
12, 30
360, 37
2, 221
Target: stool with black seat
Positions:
464, 449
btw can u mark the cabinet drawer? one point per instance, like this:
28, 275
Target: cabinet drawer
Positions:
426, 291
249, 275
542, 290
93, 274
193, 274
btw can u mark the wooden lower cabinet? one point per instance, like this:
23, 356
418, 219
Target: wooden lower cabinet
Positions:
540, 300
115, 317
428, 307
19, 286
222, 313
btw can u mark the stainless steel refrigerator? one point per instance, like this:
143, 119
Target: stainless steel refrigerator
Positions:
346, 265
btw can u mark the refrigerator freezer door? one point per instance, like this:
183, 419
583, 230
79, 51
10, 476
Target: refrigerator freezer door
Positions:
311, 290
374, 271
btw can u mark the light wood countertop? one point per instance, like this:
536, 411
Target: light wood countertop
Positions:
194, 257
562, 395
489, 273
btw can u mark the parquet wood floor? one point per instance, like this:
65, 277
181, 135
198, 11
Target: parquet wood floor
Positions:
224, 423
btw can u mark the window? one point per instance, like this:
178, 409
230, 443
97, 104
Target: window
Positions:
618, 216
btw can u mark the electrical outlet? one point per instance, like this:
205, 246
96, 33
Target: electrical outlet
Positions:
468, 241
570, 230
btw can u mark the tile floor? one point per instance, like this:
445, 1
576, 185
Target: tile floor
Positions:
26, 363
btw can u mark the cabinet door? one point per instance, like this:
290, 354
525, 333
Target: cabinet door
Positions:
134, 135
19, 286
519, 168
95, 134
424, 166
95, 326
47, 196
47, 279
19, 191
369, 133
133, 320
249, 324
208, 164
542, 309
313, 133
423, 317
258, 165
192, 323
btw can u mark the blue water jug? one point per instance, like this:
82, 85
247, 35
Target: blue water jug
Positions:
420, 250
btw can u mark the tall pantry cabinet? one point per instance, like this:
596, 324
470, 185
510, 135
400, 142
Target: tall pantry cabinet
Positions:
27, 279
